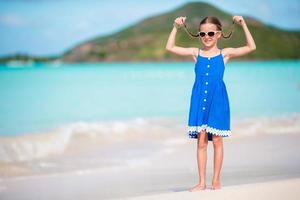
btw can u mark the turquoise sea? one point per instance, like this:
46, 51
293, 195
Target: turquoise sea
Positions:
39, 97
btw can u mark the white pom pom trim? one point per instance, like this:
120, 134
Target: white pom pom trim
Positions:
194, 130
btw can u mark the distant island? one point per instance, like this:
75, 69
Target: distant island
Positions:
146, 40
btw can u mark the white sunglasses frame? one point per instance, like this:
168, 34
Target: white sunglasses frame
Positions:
206, 33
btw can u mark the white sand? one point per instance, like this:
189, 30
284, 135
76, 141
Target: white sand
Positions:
275, 190
254, 159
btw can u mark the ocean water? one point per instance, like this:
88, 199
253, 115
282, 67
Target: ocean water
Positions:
66, 117
41, 97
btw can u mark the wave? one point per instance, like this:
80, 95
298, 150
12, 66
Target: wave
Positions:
81, 135
31, 146
84, 136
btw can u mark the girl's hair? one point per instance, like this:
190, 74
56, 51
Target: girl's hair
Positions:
212, 20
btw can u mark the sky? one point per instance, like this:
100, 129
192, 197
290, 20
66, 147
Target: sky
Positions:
50, 27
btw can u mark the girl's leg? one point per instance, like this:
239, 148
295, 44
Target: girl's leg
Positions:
201, 160
218, 160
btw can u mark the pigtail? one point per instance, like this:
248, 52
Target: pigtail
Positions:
230, 34
189, 32
214, 21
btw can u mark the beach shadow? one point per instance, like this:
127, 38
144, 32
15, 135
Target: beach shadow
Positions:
179, 189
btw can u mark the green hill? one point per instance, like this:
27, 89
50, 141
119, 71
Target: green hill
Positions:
146, 40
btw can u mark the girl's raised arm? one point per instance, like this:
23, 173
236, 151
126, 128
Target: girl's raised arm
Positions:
249, 47
171, 41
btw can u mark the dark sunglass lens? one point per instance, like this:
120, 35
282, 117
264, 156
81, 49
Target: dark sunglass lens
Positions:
211, 34
202, 34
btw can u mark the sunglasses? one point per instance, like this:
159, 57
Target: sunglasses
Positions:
210, 33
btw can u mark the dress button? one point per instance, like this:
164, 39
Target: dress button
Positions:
206, 83
207, 65
205, 91
204, 99
206, 74
203, 108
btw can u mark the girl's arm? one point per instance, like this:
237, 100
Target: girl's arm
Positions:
171, 42
249, 47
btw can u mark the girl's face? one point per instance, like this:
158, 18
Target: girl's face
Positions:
209, 40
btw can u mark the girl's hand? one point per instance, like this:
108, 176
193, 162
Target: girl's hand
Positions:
179, 20
239, 19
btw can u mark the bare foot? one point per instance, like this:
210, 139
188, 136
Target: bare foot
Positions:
197, 188
215, 186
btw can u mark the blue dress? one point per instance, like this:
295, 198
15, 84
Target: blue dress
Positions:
209, 102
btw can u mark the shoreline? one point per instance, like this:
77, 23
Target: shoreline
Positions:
247, 160
84, 147
152, 158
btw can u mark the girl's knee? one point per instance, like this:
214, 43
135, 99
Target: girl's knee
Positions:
217, 140
202, 140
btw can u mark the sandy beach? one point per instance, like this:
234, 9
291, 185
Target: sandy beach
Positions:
275, 190
260, 163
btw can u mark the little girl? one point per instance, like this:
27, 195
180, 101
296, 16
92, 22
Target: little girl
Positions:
209, 115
